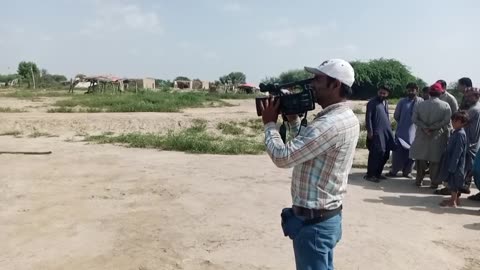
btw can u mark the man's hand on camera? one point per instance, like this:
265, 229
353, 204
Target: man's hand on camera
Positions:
290, 118
270, 110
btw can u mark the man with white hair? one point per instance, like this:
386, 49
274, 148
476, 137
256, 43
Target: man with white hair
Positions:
321, 156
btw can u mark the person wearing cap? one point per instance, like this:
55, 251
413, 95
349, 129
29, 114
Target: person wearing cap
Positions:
380, 139
405, 132
321, 156
432, 118
447, 97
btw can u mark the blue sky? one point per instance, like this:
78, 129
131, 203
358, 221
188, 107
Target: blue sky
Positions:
207, 39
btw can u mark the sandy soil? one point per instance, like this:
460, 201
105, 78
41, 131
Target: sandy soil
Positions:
90, 206
70, 124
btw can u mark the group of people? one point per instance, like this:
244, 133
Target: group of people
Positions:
434, 134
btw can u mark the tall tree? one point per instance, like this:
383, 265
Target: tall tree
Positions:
233, 78
293, 76
369, 75
28, 71
8, 78
181, 78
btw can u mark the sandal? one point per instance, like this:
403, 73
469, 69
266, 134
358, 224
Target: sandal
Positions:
448, 203
443, 191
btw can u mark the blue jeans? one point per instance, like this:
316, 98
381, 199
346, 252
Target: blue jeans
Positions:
314, 244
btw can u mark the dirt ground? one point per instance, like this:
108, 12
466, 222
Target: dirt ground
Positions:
89, 206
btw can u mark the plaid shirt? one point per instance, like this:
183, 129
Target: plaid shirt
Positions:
322, 156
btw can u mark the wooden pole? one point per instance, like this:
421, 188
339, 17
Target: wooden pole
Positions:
25, 153
33, 77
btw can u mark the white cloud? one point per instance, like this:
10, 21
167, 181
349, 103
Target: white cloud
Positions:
279, 37
233, 7
289, 36
18, 30
112, 17
285, 34
11, 29
211, 55
45, 37
351, 48
134, 51
185, 45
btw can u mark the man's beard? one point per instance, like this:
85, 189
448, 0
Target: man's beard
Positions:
382, 98
411, 95
470, 103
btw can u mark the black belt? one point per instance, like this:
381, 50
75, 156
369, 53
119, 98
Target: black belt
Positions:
316, 215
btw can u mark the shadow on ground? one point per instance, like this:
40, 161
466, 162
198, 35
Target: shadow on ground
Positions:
424, 200
474, 226
391, 185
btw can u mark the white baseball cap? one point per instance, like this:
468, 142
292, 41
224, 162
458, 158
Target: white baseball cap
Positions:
336, 68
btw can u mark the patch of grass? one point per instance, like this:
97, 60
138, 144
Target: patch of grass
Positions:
199, 122
362, 140
394, 125
81, 133
363, 126
37, 134
358, 110
146, 101
359, 166
29, 94
192, 140
60, 110
232, 96
71, 110
91, 110
230, 128
11, 133
393, 101
11, 110
255, 124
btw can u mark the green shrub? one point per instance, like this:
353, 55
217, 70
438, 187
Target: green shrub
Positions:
192, 140
230, 128
147, 101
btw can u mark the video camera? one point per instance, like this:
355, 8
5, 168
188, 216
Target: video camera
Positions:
290, 104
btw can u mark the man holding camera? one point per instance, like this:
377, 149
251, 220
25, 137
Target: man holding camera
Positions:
321, 155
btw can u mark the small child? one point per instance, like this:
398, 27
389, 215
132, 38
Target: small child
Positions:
455, 157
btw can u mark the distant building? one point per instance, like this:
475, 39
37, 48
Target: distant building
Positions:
195, 84
82, 85
135, 84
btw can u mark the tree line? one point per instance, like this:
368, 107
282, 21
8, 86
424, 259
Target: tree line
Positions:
28, 74
368, 76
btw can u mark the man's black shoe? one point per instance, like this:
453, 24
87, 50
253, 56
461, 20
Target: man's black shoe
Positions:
371, 179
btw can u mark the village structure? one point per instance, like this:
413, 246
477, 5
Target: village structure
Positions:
113, 83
